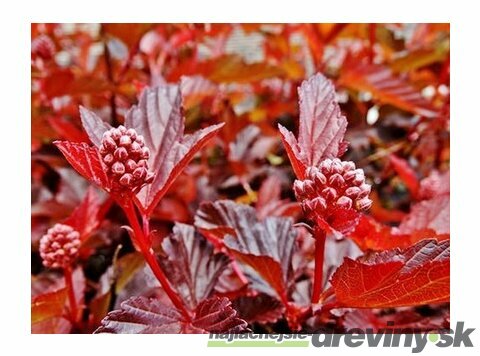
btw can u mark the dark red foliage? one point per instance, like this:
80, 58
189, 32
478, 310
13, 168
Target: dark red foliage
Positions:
188, 180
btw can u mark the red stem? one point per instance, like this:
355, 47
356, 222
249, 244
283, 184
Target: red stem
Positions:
67, 273
320, 236
151, 258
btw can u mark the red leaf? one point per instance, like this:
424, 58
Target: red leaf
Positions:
385, 87
49, 305
261, 309
429, 214
322, 126
93, 125
394, 278
293, 152
191, 265
216, 315
85, 218
406, 174
371, 235
158, 117
435, 184
67, 130
140, 315
269, 202
86, 161
266, 245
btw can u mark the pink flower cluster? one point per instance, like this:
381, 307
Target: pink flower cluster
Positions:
126, 158
59, 246
334, 184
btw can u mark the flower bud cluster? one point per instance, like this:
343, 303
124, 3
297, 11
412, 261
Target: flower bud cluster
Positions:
59, 246
126, 157
334, 184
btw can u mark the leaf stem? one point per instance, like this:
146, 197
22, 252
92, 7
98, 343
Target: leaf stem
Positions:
151, 258
320, 236
67, 273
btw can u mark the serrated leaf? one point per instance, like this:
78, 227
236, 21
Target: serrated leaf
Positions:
158, 117
417, 275
322, 126
260, 309
140, 315
431, 214
266, 246
86, 161
191, 264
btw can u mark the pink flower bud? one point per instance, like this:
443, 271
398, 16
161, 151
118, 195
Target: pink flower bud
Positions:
345, 202
145, 153
298, 188
126, 180
125, 141
132, 133
336, 180
120, 154
320, 179
59, 246
318, 204
365, 190
363, 204
118, 168
352, 192
139, 173
329, 193
348, 166
348, 176
336, 166
108, 159
130, 165
135, 148
115, 134
109, 143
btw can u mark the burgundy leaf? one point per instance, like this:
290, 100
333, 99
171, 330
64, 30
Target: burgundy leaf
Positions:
415, 276
93, 125
191, 264
435, 184
216, 315
322, 126
86, 161
266, 246
261, 309
269, 202
158, 117
141, 315
429, 214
